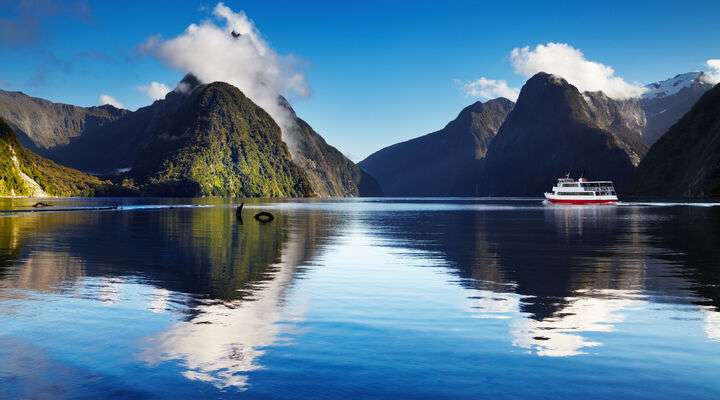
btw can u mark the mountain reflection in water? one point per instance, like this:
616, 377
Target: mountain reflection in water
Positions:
575, 270
161, 302
223, 340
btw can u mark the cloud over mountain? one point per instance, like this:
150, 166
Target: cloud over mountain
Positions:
713, 73
107, 99
229, 48
563, 60
486, 89
154, 90
570, 63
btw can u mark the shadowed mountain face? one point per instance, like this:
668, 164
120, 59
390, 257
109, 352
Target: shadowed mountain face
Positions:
550, 132
441, 163
686, 161
24, 173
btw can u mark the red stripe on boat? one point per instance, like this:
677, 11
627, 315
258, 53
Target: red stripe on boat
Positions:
569, 201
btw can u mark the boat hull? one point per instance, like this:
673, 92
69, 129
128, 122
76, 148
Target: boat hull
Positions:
580, 200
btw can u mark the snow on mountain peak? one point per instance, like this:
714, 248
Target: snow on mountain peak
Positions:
673, 85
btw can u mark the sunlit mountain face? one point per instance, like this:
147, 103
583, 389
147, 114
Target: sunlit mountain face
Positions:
337, 296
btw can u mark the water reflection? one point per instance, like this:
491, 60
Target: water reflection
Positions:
204, 305
222, 342
576, 271
712, 323
228, 280
562, 334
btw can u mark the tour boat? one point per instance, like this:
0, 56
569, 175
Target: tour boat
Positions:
582, 191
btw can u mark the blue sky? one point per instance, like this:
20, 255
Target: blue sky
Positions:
379, 72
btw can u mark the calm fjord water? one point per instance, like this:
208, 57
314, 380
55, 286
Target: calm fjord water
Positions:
413, 298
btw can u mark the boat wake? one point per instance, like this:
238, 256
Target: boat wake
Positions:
667, 204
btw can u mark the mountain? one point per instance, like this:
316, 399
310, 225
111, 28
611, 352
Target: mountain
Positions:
212, 141
318, 168
640, 122
441, 163
551, 131
449, 161
623, 118
24, 173
685, 162
106, 140
51, 128
667, 101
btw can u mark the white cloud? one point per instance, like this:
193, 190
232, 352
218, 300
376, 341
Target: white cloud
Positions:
107, 99
486, 89
229, 48
570, 63
713, 73
154, 90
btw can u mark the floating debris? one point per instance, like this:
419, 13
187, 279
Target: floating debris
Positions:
264, 217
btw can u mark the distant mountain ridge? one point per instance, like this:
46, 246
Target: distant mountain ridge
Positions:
49, 128
676, 84
442, 163
24, 173
667, 101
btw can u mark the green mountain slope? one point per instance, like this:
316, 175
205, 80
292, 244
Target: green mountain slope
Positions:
214, 141
24, 173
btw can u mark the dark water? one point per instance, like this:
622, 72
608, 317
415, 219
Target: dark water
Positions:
360, 299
